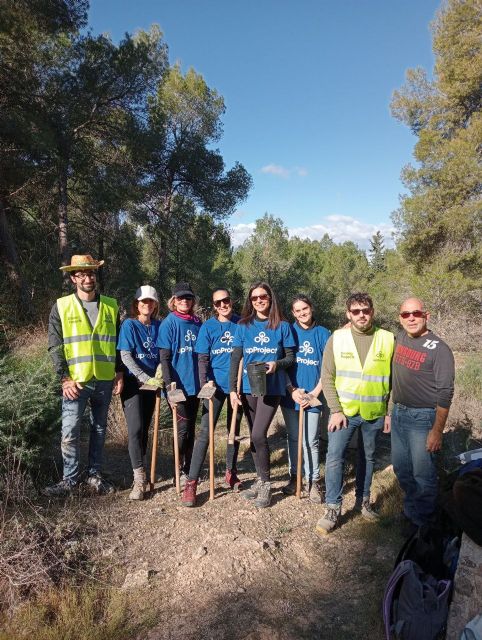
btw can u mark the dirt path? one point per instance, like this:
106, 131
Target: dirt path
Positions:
227, 570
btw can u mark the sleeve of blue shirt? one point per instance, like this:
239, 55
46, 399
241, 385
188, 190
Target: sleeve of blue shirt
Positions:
239, 336
126, 340
287, 334
203, 342
165, 336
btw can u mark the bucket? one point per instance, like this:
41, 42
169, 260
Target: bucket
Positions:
257, 378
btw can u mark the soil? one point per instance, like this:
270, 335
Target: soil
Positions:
225, 569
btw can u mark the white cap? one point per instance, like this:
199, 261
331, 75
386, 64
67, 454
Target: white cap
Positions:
146, 291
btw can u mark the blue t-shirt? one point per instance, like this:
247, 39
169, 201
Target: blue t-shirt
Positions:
306, 372
261, 344
216, 339
140, 340
180, 337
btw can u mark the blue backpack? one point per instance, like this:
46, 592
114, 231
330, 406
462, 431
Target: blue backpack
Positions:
417, 595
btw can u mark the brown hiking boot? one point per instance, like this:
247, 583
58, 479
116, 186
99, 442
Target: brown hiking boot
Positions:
231, 480
188, 498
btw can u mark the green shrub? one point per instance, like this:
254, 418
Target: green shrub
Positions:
29, 406
469, 377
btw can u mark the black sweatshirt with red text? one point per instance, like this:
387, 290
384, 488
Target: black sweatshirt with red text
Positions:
423, 371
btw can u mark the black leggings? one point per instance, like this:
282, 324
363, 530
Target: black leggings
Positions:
138, 409
186, 425
202, 441
259, 412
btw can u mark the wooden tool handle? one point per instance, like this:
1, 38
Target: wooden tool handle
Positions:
175, 444
299, 465
211, 449
157, 411
232, 430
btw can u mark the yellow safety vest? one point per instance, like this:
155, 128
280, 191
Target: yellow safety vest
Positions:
89, 351
363, 390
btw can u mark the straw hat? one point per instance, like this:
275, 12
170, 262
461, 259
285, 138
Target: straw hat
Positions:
82, 262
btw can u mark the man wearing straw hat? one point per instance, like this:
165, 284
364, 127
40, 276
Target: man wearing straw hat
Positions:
82, 335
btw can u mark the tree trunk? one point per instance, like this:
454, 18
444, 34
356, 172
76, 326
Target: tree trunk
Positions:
63, 223
100, 256
10, 259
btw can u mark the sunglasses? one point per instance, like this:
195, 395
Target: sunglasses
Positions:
83, 275
416, 314
186, 297
356, 312
218, 303
263, 297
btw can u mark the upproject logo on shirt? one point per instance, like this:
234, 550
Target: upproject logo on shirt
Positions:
226, 339
261, 339
148, 344
189, 337
305, 350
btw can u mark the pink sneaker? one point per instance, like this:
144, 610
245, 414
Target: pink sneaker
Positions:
188, 498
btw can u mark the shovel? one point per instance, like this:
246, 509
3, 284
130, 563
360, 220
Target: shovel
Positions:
174, 396
314, 402
232, 430
207, 392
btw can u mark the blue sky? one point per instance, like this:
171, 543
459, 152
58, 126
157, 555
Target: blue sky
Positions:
307, 86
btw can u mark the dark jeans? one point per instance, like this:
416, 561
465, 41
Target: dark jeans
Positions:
98, 393
259, 412
202, 441
186, 426
338, 442
414, 466
138, 409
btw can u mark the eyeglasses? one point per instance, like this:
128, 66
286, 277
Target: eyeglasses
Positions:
263, 297
83, 275
416, 314
356, 312
218, 303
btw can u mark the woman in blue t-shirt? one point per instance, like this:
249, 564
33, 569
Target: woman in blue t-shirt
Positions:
214, 347
137, 346
262, 336
305, 378
176, 343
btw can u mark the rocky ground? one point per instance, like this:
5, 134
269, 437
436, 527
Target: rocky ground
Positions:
225, 569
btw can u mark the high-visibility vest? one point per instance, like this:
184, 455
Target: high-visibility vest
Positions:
363, 390
89, 351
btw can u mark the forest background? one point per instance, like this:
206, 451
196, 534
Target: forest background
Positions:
108, 149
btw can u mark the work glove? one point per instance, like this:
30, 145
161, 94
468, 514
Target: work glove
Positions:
157, 381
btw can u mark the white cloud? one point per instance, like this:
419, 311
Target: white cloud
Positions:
339, 228
240, 232
276, 170
284, 172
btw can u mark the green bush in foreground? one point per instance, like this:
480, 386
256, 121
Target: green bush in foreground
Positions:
469, 377
29, 407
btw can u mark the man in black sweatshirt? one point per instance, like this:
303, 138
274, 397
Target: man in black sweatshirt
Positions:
423, 374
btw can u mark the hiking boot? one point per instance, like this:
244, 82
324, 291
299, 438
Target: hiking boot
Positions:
99, 484
60, 489
188, 498
252, 492
315, 493
264, 495
231, 480
290, 488
329, 520
366, 509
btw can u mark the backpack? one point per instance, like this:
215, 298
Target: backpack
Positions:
415, 604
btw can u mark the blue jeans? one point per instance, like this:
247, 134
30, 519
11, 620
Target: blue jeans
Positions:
99, 392
311, 442
414, 466
338, 441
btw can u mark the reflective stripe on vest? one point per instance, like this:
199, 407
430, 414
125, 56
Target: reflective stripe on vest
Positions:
363, 390
89, 352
